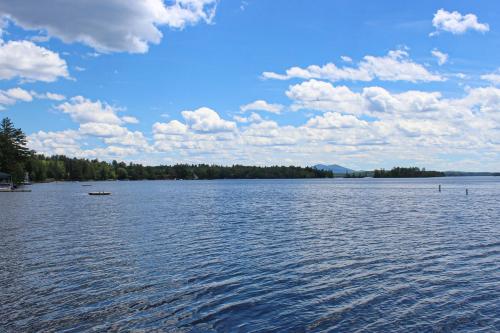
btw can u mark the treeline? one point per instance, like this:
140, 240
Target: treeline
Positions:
399, 172
42, 168
356, 174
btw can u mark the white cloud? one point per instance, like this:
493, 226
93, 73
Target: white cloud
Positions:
130, 139
270, 134
395, 66
102, 129
371, 101
441, 57
456, 23
130, 120
332, 120
19, 94
253, 118
12, 96
108, 26
320, 95
492, 77
56, 143
261, 105
173, 127
71, 143
207, 120
55, 97
99, 119
346, 58
48, 95
83, 110
29, 62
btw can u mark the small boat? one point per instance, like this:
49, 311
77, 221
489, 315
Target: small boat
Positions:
87, 185
99, 193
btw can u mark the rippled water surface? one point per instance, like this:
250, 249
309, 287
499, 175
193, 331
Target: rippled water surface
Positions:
338, 255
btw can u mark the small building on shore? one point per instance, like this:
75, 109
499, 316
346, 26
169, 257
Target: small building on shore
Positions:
5, 181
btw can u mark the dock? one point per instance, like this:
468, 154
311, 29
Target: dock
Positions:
14, 190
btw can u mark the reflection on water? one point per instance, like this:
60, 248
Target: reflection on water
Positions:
359, 255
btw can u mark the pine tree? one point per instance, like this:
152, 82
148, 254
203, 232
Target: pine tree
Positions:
13, 150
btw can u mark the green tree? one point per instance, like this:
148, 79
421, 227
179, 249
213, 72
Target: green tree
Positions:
122, 173
13, 150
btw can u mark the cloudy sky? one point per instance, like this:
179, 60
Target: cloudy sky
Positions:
358, 83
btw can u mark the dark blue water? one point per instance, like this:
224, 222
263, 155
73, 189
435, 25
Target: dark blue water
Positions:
337, 255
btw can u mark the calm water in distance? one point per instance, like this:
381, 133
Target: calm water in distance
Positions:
362, 255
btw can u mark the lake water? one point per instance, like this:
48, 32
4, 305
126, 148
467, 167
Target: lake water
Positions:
363, 255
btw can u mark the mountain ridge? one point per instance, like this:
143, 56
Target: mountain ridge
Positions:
335, 168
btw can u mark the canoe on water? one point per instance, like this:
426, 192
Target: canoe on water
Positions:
99, 193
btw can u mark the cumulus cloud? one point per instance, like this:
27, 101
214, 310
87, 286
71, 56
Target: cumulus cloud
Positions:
173, 127
102, 121
370, 101
97, 120
332, 120
83, 110
18, 94
29, 62
103, 129
261, 105
456, 23
395, 66
70, 143
253, 118
56, 143
441, 57
207, 120
14, 95
320, 95
107, 26
130, 139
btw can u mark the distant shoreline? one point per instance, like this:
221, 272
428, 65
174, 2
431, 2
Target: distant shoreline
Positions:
205, 179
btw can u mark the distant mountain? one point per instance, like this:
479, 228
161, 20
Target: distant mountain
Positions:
335, 168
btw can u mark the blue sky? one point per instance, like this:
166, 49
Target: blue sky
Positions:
363, 84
